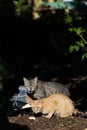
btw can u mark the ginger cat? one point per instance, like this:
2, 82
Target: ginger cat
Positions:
58, 104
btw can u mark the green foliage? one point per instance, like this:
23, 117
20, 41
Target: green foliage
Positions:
79, 31
73, 48
77, 46
84, 56
21, 7
68, 20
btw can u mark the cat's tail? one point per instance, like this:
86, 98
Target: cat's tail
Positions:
80, 113
76, 111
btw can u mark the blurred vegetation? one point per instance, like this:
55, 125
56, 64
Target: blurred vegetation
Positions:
39, 35
79, 31
22, 6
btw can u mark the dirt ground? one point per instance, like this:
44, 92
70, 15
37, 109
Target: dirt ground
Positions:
23, 120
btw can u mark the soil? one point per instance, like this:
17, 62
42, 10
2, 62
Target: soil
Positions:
26, 120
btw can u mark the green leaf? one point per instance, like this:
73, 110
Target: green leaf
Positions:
80, 43
71, 29
76, 48
71, 49
68, 19
84, 56
79, 30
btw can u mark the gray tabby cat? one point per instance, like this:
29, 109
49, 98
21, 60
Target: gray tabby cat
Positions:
42, 89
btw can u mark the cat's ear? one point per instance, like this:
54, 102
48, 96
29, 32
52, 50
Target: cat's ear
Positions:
24, 79
35, 80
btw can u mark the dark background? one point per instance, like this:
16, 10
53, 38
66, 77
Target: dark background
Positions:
30, 48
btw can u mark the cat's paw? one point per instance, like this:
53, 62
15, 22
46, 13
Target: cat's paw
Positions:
45, 116
48, 116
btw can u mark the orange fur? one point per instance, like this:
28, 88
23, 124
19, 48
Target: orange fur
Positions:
58, 104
